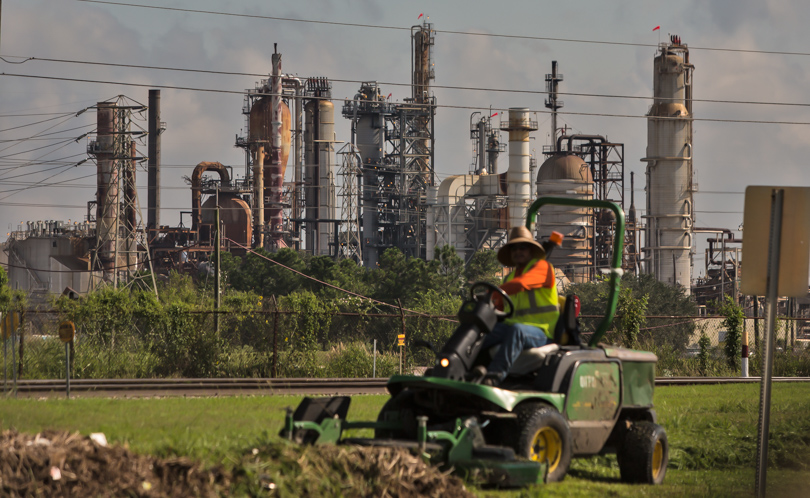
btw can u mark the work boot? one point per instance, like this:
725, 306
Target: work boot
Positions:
491, 379
477, 374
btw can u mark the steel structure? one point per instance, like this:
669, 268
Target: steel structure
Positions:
552, 102
667, 251
395, 143
350, 176
120, 238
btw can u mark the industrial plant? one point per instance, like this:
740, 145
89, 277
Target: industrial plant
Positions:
302, 187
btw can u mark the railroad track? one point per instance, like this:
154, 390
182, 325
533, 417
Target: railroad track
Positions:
134, 388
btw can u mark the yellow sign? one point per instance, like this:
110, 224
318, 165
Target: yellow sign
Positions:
66, 331
10, 322
401, 340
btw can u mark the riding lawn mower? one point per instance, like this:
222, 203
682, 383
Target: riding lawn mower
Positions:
562, 400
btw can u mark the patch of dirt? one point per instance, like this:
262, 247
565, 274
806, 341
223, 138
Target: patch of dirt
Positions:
54, 463
352, 471
62, 464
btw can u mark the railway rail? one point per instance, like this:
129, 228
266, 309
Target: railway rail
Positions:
135, 388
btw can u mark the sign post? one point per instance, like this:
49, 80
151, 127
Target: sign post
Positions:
401, 344
67, 330
775, 266
9, 323
4, 335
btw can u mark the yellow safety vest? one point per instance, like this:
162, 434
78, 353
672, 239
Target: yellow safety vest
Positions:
538, 307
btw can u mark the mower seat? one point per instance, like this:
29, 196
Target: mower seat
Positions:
529, 359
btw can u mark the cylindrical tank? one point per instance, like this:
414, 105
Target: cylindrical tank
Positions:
518, 176
319, 175
310, 177
668, 235
234, 213
567, 175
261, 122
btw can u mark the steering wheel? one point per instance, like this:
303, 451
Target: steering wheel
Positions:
491, 289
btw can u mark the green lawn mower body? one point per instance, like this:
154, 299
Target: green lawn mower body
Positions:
558, 401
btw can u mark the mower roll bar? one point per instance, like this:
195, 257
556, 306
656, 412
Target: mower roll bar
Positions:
616, 260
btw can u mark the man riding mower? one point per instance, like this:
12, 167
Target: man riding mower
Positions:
560, 400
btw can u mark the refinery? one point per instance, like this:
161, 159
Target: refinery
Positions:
303, 187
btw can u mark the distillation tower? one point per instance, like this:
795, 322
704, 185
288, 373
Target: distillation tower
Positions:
302, 213
668, 244
395, 144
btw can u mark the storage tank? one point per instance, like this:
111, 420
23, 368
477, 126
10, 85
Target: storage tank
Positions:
668, 233
568, 175
234, 214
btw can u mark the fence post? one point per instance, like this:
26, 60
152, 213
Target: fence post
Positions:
274, 373
404, 349
22, 334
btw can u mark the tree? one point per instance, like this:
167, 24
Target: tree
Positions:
662, 300
630, 316
733, 323
484, 266
449, 268
401, 277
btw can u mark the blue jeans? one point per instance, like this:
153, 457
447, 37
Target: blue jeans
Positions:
513, 339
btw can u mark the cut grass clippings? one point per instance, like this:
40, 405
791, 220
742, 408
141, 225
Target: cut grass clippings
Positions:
712, 433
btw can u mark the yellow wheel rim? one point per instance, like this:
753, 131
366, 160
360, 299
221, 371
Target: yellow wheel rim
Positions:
547, 447
657, 459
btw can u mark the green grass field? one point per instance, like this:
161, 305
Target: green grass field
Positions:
712, 432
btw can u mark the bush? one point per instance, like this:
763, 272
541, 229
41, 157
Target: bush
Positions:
355, 360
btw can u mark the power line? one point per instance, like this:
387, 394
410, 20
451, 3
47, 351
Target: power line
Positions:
444, 106
450, 32
432, 86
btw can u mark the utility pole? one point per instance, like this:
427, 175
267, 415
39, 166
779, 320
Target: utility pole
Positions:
217, 281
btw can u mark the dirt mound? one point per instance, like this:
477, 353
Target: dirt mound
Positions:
56, 463
62, 464
351, 471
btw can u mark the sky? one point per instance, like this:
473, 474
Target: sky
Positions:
751, 61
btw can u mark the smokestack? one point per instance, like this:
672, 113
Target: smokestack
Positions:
518, 176
107, 199
153, 164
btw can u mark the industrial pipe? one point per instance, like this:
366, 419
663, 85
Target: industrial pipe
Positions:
196, 188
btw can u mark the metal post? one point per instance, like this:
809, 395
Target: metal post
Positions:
67, 369
774, 248
374, 367
14, 357
217, 276
402, 350
275, 337
5, 353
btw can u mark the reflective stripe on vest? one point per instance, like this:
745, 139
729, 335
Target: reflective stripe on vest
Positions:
538, 307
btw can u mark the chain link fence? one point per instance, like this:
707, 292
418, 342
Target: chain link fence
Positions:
278, 343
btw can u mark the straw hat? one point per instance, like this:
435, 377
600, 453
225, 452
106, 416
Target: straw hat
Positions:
519, 235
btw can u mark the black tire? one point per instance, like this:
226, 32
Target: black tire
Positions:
398, 408
544, 436
644, 456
